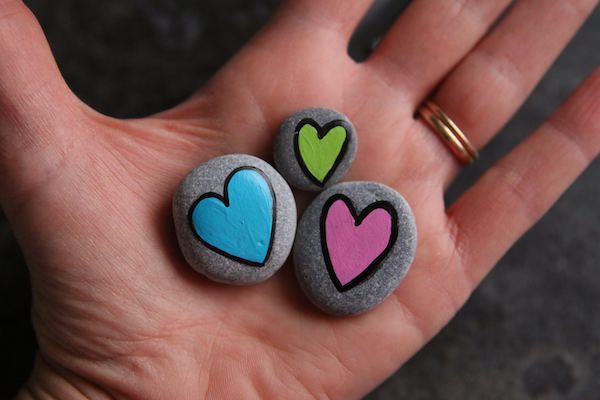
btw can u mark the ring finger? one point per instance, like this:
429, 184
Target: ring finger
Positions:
492, 82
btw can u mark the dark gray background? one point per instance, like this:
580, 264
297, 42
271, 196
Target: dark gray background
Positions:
531, 331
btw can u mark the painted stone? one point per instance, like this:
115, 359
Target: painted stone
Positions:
354, 245
315, 148
235, 219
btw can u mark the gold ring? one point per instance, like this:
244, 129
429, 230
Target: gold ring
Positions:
449, 132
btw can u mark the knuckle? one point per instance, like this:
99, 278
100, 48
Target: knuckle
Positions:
580, 8
519, 192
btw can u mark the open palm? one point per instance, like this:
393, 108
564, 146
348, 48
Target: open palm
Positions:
118, 313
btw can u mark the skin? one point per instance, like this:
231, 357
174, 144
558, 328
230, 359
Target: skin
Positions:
117, 312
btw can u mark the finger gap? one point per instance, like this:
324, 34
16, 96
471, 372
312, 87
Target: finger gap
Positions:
373, 26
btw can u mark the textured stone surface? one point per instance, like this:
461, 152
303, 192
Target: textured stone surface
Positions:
206, 252
298, 168
132, 58
314, 257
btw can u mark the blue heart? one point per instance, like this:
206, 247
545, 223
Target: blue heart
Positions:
240, 224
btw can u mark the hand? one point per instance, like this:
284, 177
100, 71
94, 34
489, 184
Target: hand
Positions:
118, 313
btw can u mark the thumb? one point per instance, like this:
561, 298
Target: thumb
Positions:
35, 103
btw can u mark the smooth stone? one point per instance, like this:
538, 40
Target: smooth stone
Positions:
235, 219
354, 245
315, 148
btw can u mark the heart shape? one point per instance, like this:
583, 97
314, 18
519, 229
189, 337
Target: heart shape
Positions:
239, 225
355, 245
319, 150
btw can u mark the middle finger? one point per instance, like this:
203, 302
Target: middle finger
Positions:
428, 39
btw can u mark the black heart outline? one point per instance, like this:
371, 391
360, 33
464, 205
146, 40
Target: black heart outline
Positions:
358, 219
322, 131
225, 200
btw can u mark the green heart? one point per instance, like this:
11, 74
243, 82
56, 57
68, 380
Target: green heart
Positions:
320, 153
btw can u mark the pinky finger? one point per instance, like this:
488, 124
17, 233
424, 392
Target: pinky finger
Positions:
517, 191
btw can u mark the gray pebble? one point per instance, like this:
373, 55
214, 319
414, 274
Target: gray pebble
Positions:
315, 148
354, 245
235, 219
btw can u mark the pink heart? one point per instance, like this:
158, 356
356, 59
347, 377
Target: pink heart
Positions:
355, 245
